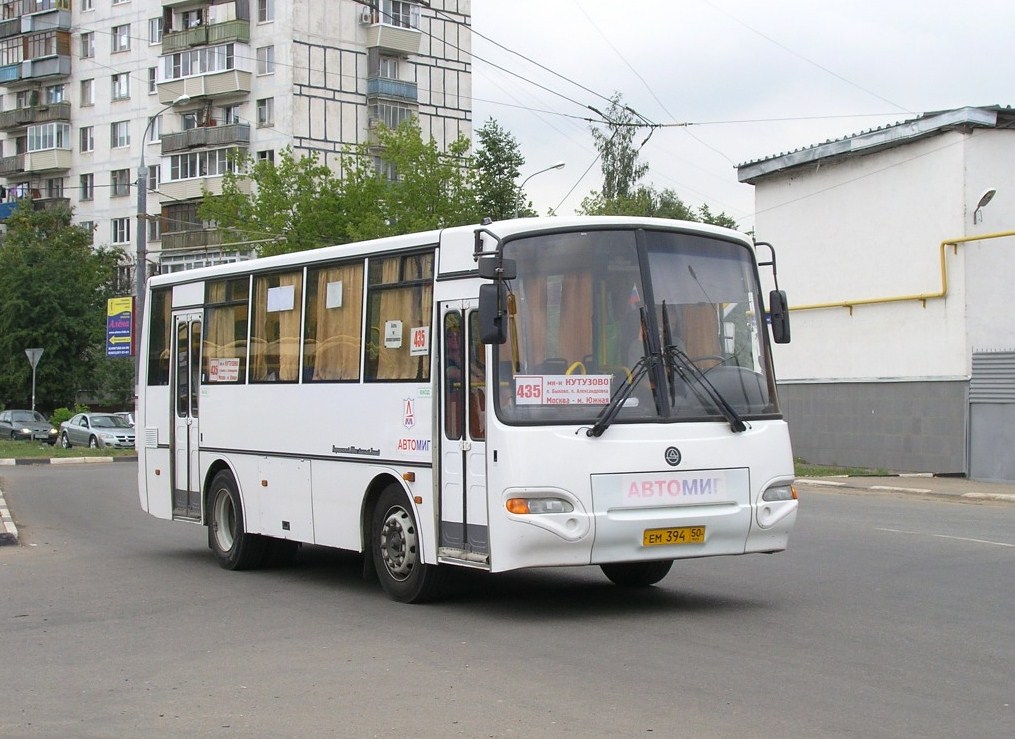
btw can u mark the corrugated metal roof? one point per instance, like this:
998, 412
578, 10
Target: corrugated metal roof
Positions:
883, 137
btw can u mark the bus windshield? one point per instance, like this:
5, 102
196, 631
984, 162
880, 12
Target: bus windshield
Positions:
667, 325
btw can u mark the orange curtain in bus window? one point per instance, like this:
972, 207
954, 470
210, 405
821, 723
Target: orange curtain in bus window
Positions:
289, 326
337, 311
576, 317
410, 306
699, 329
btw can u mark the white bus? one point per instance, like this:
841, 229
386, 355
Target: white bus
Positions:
526, 393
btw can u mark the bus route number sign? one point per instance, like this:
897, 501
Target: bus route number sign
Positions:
529, 389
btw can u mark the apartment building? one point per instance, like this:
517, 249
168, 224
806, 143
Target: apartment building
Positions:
94, 90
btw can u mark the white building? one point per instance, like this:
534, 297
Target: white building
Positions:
899, 274
81, 81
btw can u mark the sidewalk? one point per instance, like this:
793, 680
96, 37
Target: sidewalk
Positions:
926, 485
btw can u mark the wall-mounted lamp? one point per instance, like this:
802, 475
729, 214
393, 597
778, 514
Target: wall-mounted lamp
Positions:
987, 196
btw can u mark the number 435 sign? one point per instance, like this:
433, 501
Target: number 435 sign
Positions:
419, 341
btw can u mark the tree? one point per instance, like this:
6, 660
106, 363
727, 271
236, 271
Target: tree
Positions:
294, 204
53, 292
618, 155
497, 163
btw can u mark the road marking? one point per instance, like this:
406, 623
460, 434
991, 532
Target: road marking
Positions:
948, 536
830, 483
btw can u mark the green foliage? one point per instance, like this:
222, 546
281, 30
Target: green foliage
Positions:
617, 152
53, 291
497, 164
65, 414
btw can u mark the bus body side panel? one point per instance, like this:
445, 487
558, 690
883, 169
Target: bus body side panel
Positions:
154, 454
620, 485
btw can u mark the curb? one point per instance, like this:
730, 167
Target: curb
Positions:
852, 483
64, 460
8, 531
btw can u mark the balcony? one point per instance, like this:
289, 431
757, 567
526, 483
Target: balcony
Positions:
234, 133
50, 203
231, 82
10, 27
216, 33
186, 240
51, 66
21, 117
388, 88
55, 18
10, 73
394, 38
196, 187
11, 166
48, 160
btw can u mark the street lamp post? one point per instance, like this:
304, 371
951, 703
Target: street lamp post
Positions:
521, 187
141, 259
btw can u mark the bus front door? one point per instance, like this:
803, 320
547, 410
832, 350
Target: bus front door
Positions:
464, 524
186, 368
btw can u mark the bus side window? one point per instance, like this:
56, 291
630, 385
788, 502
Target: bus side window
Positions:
454, 376
477, 380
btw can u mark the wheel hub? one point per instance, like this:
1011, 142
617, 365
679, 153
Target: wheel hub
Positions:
398, 543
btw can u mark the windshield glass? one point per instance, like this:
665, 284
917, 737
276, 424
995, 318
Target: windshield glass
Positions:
27, 417
109, 422
593, 311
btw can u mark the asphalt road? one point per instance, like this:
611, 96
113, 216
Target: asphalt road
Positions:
888, 616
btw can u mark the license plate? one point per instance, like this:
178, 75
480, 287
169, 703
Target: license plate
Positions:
676, 535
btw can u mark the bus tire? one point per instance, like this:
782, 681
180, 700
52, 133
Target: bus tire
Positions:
636, 574
396, 550
232, 546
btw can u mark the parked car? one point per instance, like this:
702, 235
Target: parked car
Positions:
127, 416
26, 425
96, 430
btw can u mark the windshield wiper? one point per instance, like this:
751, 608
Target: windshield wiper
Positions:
610, 411
688, 371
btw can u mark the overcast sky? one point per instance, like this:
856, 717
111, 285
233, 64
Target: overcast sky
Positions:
754, 78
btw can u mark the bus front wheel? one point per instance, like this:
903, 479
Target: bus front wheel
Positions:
232, 546
396, 550
636, 574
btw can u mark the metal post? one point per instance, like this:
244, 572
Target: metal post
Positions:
521, 187
141, 238
33, 358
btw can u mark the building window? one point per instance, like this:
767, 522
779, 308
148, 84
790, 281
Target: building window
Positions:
265, 11
121, 230
213, 163
87, 4
154, 176
121, 38
266, 112
54, 187
120, 2
229, 114
87, 136
152, 78
121, 86
192, 18
154, 228
388, 67
399, 13
266, 60
49, 136
42, 44
155, 30
119, 134
202, 60
390, 114
55, 94
266, 155
119, 183
155, 129
87, 186
87, 92
89, 228
87, 44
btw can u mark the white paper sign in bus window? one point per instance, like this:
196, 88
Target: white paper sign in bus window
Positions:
419, 345
562, 389
392, 334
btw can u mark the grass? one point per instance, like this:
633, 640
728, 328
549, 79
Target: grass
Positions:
40, 450
805, 469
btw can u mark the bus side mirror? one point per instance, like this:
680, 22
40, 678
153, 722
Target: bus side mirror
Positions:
493, 313
778, 316
495, 268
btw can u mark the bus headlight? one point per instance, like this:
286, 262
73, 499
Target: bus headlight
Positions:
782, 491
538, 505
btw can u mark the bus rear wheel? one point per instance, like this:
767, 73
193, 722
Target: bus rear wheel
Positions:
397, 553
636, 574
229, 541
